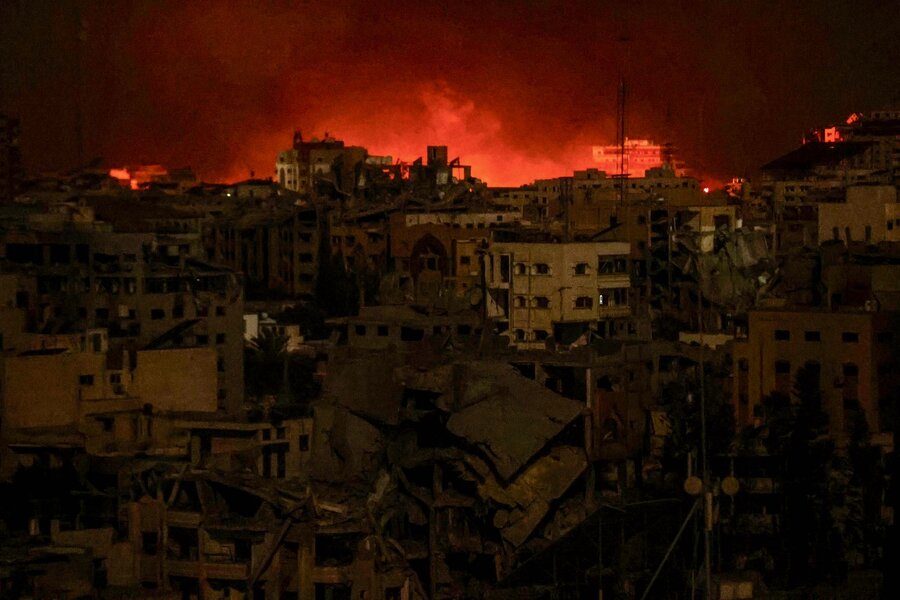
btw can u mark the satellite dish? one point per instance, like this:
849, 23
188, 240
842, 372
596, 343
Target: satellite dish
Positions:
693, 485
730, 485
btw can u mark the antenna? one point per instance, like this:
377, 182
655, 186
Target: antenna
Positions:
620, 119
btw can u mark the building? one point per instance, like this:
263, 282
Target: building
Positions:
639, 156
851, 350
563, 290
146, 293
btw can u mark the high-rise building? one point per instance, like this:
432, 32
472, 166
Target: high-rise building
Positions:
640, 155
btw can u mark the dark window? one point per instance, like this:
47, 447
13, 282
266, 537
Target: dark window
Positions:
885, 336
220, 311
220, 338
541, 302
149, 542
812, 336
411, 334
220, 365
202, 340
541, 334
383, 330
850, 336
782, 335
279, 433
581, 269
303, 442
851, 370
464, 329
157, 314
782, 367
115, 378
178, 311
465, 260
360, 330
584, 302
542, 269
107, 424
85, 380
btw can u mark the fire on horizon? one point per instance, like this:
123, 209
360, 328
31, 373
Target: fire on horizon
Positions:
519, 94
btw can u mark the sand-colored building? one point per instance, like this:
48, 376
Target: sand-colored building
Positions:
562, 290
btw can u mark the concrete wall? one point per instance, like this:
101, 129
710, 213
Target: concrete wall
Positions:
182, 379
863, 217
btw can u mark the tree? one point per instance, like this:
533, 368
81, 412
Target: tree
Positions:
270, 370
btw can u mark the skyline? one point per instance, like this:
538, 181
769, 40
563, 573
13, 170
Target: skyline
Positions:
221, 88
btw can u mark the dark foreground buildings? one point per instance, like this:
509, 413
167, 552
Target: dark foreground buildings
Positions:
374, 379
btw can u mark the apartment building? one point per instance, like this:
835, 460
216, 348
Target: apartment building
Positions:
851, 350
563, 290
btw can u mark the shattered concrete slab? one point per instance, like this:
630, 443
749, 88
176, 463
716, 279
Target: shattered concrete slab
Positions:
513, 419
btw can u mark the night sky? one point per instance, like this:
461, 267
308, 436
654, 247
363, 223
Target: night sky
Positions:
517, 89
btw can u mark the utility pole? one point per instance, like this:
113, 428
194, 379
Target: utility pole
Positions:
704, 450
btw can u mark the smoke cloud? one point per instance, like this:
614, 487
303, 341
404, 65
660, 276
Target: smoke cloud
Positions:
519, 90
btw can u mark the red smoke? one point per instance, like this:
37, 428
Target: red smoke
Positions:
517, 90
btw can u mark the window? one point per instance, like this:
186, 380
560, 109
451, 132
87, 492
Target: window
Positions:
885, 336
541, 302
612, 264
303, 442
115, 378
220, 311
178, 311
149, 542
782, 335
106, 423
541, 335
360, 330
812, 336
581, 269
850, 337
220, 338
157, 313
464, 329
279, 433
782, 367
383, 330
542, 269
520, 335
85, 380
220, 365
411, 334
520, 302
465, 260
850, 370
520, 268
584, 302
202, 340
